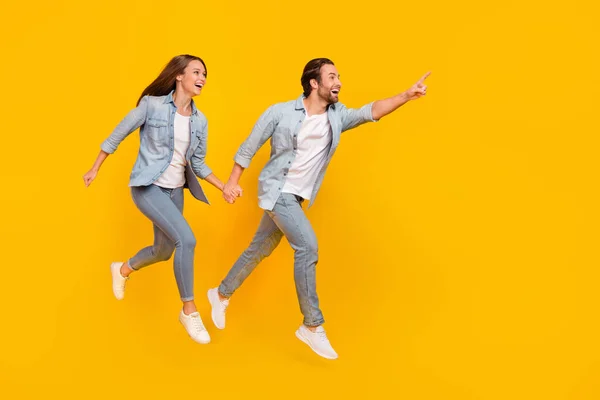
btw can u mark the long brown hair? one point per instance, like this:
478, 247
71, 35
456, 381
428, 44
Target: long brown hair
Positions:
165, 82
312, 70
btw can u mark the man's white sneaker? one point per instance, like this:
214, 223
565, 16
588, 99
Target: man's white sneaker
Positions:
118, 280
194, 327
218, 307
317, 341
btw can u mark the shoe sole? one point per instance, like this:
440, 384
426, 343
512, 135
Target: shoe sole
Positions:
191, 337
304, 340
112, 274
212, 307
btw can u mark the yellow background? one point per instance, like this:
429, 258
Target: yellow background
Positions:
458, 237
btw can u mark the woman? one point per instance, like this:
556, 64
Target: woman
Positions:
172, 149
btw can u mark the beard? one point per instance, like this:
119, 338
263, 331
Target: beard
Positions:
326, 95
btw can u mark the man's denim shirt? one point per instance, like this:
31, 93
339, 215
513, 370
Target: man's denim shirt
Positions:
281, 123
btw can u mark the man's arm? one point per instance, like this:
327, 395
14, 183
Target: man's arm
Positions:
351, 118
262, 131
381, 108
232, 189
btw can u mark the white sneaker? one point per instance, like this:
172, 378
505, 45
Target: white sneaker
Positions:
218, 307
317, 341
118, 280
194, 327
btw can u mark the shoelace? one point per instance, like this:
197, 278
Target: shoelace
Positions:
197, 323
323, 337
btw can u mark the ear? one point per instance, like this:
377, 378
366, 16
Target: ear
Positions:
179, 78
314, 84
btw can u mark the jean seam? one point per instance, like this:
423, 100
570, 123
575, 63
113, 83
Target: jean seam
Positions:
137, 205
177, 270
161, 242
265, 242
305, 244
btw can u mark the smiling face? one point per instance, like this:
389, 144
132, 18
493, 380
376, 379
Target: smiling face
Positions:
193, 78
330, 85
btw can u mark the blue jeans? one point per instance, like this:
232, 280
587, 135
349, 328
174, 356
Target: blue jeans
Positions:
287, 218
164, 207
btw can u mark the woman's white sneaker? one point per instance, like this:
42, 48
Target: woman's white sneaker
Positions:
218, 308
194, 327
118, 280
317, 341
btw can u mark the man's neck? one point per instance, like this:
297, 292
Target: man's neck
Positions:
314, 105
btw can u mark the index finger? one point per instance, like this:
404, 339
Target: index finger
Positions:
424, 77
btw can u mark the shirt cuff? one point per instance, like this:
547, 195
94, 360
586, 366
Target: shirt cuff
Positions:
204, 172
370, 113
107, 148
242, 160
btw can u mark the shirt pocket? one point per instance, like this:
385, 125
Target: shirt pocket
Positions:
281, 139
156, 129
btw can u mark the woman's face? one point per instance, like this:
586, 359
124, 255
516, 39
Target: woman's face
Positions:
193, 78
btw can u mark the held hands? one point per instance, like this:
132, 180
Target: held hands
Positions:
419, 89
89, 177
231, 191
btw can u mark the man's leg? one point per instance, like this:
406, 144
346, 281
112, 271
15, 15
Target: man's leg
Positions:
291, 220
265, 240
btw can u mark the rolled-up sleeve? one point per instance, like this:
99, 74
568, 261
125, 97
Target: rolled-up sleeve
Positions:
133, 120
262, 131
353, 117
198, 165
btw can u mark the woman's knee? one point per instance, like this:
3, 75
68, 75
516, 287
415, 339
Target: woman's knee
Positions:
164, 253
188, 241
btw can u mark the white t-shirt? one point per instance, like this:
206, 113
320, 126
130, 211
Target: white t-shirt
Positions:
174, 175
314, 139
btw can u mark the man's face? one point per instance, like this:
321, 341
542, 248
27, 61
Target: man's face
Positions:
330, 85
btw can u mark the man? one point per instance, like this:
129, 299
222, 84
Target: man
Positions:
304, 135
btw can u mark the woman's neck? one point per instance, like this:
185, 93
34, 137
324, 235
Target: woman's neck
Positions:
183, 102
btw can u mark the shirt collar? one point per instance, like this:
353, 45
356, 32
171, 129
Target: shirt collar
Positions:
169, 99
299, 104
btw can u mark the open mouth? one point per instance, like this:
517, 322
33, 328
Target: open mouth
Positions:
335, 91
199, 85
